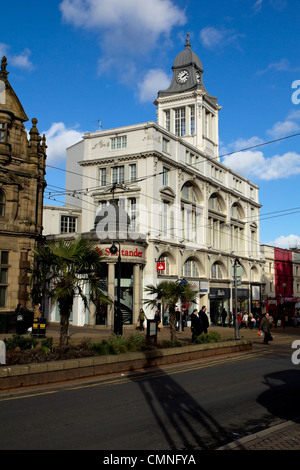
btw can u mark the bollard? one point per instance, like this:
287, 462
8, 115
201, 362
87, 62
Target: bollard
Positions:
2, 353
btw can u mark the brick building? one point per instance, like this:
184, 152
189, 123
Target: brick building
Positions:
22, 184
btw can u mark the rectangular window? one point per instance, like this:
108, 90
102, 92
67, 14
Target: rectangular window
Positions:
180, 122
166, 145
103, 177
132, 169
3, 278
132, 213
167, 120
165, 177
193, 124
68, 224
118, 174
119, 142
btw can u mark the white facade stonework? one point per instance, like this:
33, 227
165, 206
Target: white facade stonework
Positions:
186, 208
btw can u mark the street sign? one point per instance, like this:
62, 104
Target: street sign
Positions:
161, 266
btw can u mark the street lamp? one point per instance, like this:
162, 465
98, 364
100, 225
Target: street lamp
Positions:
118, 320
236, 264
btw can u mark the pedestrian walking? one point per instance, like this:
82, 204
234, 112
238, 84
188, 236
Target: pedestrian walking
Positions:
203, 320
183, 318
195, 325
224, 316
265, 327
141, 319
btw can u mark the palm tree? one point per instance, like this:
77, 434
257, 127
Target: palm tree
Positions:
60, 270
169, 293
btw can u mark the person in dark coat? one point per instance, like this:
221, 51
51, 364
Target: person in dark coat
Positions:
195, 325
183, 318
224, 316
265, 326
203, 320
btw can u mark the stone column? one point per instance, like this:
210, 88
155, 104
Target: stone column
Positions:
92, 314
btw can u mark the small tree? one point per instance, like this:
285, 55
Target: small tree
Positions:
169, 293
60, 271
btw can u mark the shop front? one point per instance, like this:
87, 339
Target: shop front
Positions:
132, 261
219, 298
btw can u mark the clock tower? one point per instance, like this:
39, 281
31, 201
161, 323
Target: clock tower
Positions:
185, 108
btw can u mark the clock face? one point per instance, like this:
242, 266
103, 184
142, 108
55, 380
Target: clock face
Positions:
198, 77
182, 76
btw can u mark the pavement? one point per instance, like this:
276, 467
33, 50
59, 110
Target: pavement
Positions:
284, 436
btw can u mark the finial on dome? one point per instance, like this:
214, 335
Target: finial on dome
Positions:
188, 44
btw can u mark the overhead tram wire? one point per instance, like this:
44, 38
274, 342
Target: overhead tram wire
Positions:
210, 158
245, 238
84, 192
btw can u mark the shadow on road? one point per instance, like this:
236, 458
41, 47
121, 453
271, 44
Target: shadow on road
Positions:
282, 397
184, 423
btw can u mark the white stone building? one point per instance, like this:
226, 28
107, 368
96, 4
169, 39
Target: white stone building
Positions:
187, 210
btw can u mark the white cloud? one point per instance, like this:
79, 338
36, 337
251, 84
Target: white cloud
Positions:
286, 127
124, 23
58, 139
283, 65
213, 38
126, 30
20, 60
289, 241
257, 6
254, 165
283, 128
154, 80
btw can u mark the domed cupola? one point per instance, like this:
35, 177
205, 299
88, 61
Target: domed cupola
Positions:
187, 72
185, 108
187, 57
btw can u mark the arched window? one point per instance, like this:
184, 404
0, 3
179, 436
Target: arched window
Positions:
214, 203
190, 268
237, 227
190, 211
216, 272
188, 193
216, 234
2, 203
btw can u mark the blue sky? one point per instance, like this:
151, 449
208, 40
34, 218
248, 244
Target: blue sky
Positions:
74, 63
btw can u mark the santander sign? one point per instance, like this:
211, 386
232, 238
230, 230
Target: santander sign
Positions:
125, 252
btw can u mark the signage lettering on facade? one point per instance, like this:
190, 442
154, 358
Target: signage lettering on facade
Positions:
131, 253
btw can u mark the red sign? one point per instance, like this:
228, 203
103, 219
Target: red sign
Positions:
161, 266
